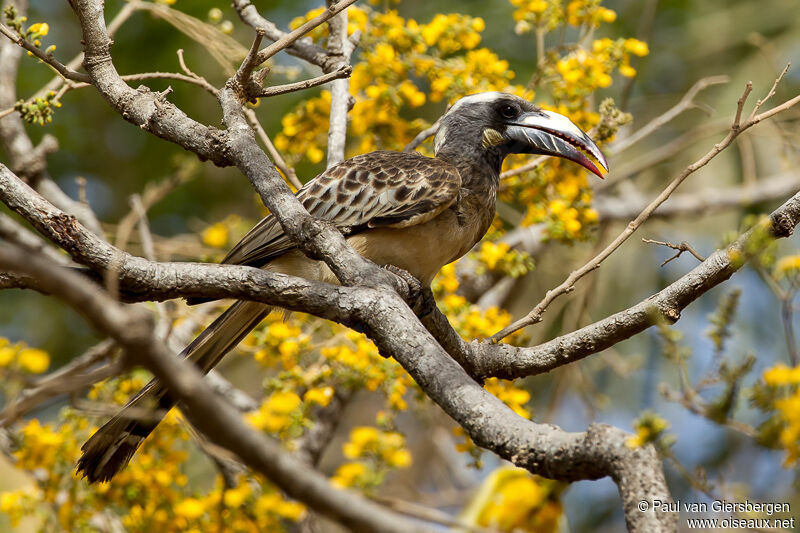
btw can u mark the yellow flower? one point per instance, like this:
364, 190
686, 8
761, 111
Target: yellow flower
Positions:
492, 253
348, 474
216, 236
40, 29
320, 396
787, 266
314, 154
572, 226
33, 360
399, 458
637, 47
607, 15
363, 436
235, 497
7, 354
649, 428
283, 402
627, 71
557, 207
190, 508
782, 375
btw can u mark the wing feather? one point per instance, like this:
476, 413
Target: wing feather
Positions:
378, 189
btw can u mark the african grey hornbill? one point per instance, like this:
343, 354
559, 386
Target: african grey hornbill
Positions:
403, 209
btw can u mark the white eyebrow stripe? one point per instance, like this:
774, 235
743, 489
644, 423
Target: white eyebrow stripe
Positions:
477, 98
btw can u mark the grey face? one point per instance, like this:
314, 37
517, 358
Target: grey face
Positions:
512, 125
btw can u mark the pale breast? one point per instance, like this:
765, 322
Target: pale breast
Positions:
422, 250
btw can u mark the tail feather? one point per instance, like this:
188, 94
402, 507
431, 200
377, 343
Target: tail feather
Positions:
110, 449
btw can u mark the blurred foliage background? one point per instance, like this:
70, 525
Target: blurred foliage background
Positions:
728, 450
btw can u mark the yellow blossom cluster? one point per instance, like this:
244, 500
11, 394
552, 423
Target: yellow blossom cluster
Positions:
152, 494
511, 499
547, 15
279, 340
280, 412
398, 58
500, 257
223, 233
779, 397
584, 71
788, 268
19, 356
386, 446
372, 452
649, 427
468, 319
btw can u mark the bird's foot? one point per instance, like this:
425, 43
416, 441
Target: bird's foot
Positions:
419, 297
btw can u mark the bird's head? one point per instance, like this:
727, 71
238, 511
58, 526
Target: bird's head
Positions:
496, 124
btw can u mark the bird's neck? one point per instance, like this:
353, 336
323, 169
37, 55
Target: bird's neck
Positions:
479, 168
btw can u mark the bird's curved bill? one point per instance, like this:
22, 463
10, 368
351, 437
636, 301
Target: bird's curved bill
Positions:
550, 133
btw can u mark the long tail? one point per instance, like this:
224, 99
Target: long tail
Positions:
110, 449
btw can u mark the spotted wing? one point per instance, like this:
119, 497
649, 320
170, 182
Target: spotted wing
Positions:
378, 189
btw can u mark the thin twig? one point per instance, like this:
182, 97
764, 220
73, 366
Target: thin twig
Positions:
422, 136
535, 315
341, 48
342, 72
294, 35
687, 102
771, 92
70, 378
740, 104
787, 317
429, 514
530, 165
59, 67
682, 247
250, 62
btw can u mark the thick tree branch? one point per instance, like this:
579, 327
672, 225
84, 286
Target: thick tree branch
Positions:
386, 318
510, 362
341, 47
148, 110
216, 418
390, 323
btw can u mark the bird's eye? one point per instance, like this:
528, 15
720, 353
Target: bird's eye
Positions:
508, 111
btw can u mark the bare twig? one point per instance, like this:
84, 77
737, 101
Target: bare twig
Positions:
303, 49
341, 48
289, 38
342, 72
687, 102
429, 514
530, 165
250, 61
535, 315
682, 247
72, 377
771, 92
740, 104
59, 67
422, 136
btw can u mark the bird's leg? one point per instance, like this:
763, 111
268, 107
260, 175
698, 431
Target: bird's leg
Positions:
419, 297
